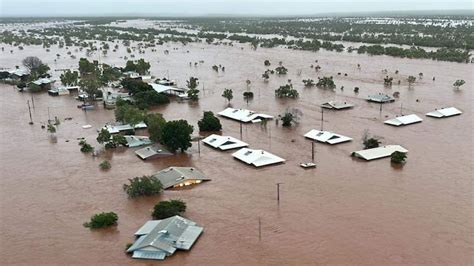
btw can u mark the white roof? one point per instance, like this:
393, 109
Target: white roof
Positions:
165, 89
257, 157
243, 115
380, 152
444, 112
404, 120
113, 129
380, 98
224, 142
19, 72
43, 81
326, 136
337, 105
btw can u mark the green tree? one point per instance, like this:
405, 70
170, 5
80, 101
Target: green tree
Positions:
104, 136
155, 124
86, 67
411, 80
398, 157
51, 128
286, 91
177, 135
69, 78
326, 83
102, 220
371, 143
193, 92
166, 209
105, 165
308, 82
128, 114
281, 70
228, 94
458, 83
91, 87
141, 66
85, 147
143, 186
287, 119
266, 63
209, 122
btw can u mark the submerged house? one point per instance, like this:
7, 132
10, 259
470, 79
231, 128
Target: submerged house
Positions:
19, 74
175, 177
444, 112
224, 142
403, 120
168, 90
244, 115
379, 152
380, 98
152, 152
257, 158
136, 141
42, 83
337, 105
114, 129
326, 137
158, 239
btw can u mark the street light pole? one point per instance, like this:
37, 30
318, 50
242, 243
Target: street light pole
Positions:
278, 192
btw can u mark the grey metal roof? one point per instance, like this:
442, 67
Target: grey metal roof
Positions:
153, 151
380, 98
165, 238
172, 176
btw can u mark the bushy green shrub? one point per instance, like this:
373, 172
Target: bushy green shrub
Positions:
209, 122
165, 209
101, 220
143, 186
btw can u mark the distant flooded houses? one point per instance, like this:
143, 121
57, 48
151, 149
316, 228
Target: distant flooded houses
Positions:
380, 98
337, 105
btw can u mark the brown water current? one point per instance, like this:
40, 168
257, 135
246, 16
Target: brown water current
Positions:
345, 211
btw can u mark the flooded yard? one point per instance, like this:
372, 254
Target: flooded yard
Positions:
346, 211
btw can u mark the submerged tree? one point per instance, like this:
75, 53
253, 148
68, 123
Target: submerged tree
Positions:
458, 83
143, 186
102, 220
286, 91
398, 157
281, 70
193, 92
155, 123
209, 122
326, 83
69, 78
228, 94
166, 209
411, 80
291, 116
308, 83
177, 135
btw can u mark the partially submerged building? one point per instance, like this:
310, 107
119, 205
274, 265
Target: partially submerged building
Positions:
168, 90
244, 115
257, 158
158, 239
224, 142
43, 83
114, 129
444, 112
137, 141
152, 152
337, 105
19, 74
62, 90
380, 98
403, 120
326, 137
176, 177
379, 152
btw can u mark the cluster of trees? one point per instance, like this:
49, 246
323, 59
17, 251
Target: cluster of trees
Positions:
209, 122
326, 83
85, 147
442, 54
286, 91
143, 186
140, 66
110, 141
193, 92
165, 209
143, 94
308, 83
102, 220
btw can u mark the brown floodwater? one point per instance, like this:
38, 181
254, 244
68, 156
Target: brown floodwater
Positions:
346, 211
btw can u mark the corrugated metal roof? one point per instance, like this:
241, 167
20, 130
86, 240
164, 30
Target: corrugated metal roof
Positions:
165, 238
380, 98
155, 150
444, 112
404, 120
257, 157
337, 105
326, 136
224, 142
243, 115
136, 141
380, 152
172, 176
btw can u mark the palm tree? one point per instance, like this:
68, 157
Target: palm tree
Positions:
228, 94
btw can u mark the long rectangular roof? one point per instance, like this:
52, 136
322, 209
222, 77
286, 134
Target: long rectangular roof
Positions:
380, 152
326, 136
338, 105
257, 157
165, 89
155, 150
224, 142
113, 129
380, 98
161, 238
173, 176
403, 120
136, 141
444, 112
243, 115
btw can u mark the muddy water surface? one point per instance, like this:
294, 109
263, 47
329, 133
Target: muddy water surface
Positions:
344, 212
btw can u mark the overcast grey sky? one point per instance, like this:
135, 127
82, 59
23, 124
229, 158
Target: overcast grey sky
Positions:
217, 7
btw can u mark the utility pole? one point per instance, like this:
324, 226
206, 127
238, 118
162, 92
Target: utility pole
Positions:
322, 118
401, 109
278, 192
33, 102
259, 229
29, 110
49, 118
240, 130
312, 151
199, 147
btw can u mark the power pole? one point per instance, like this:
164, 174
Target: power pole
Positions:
33, 102
278, 192
29, 110
240, 130
401, 109
322, 118
259, 229
312, 151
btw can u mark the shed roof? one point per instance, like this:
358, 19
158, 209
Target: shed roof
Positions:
173, 176
113, 129
153, 151
224, 142
42, 81
136, 141
403, 120
257, 158
380, 152
326, 136
165, 89
444, 112
243, 115
161, 238
337, 105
